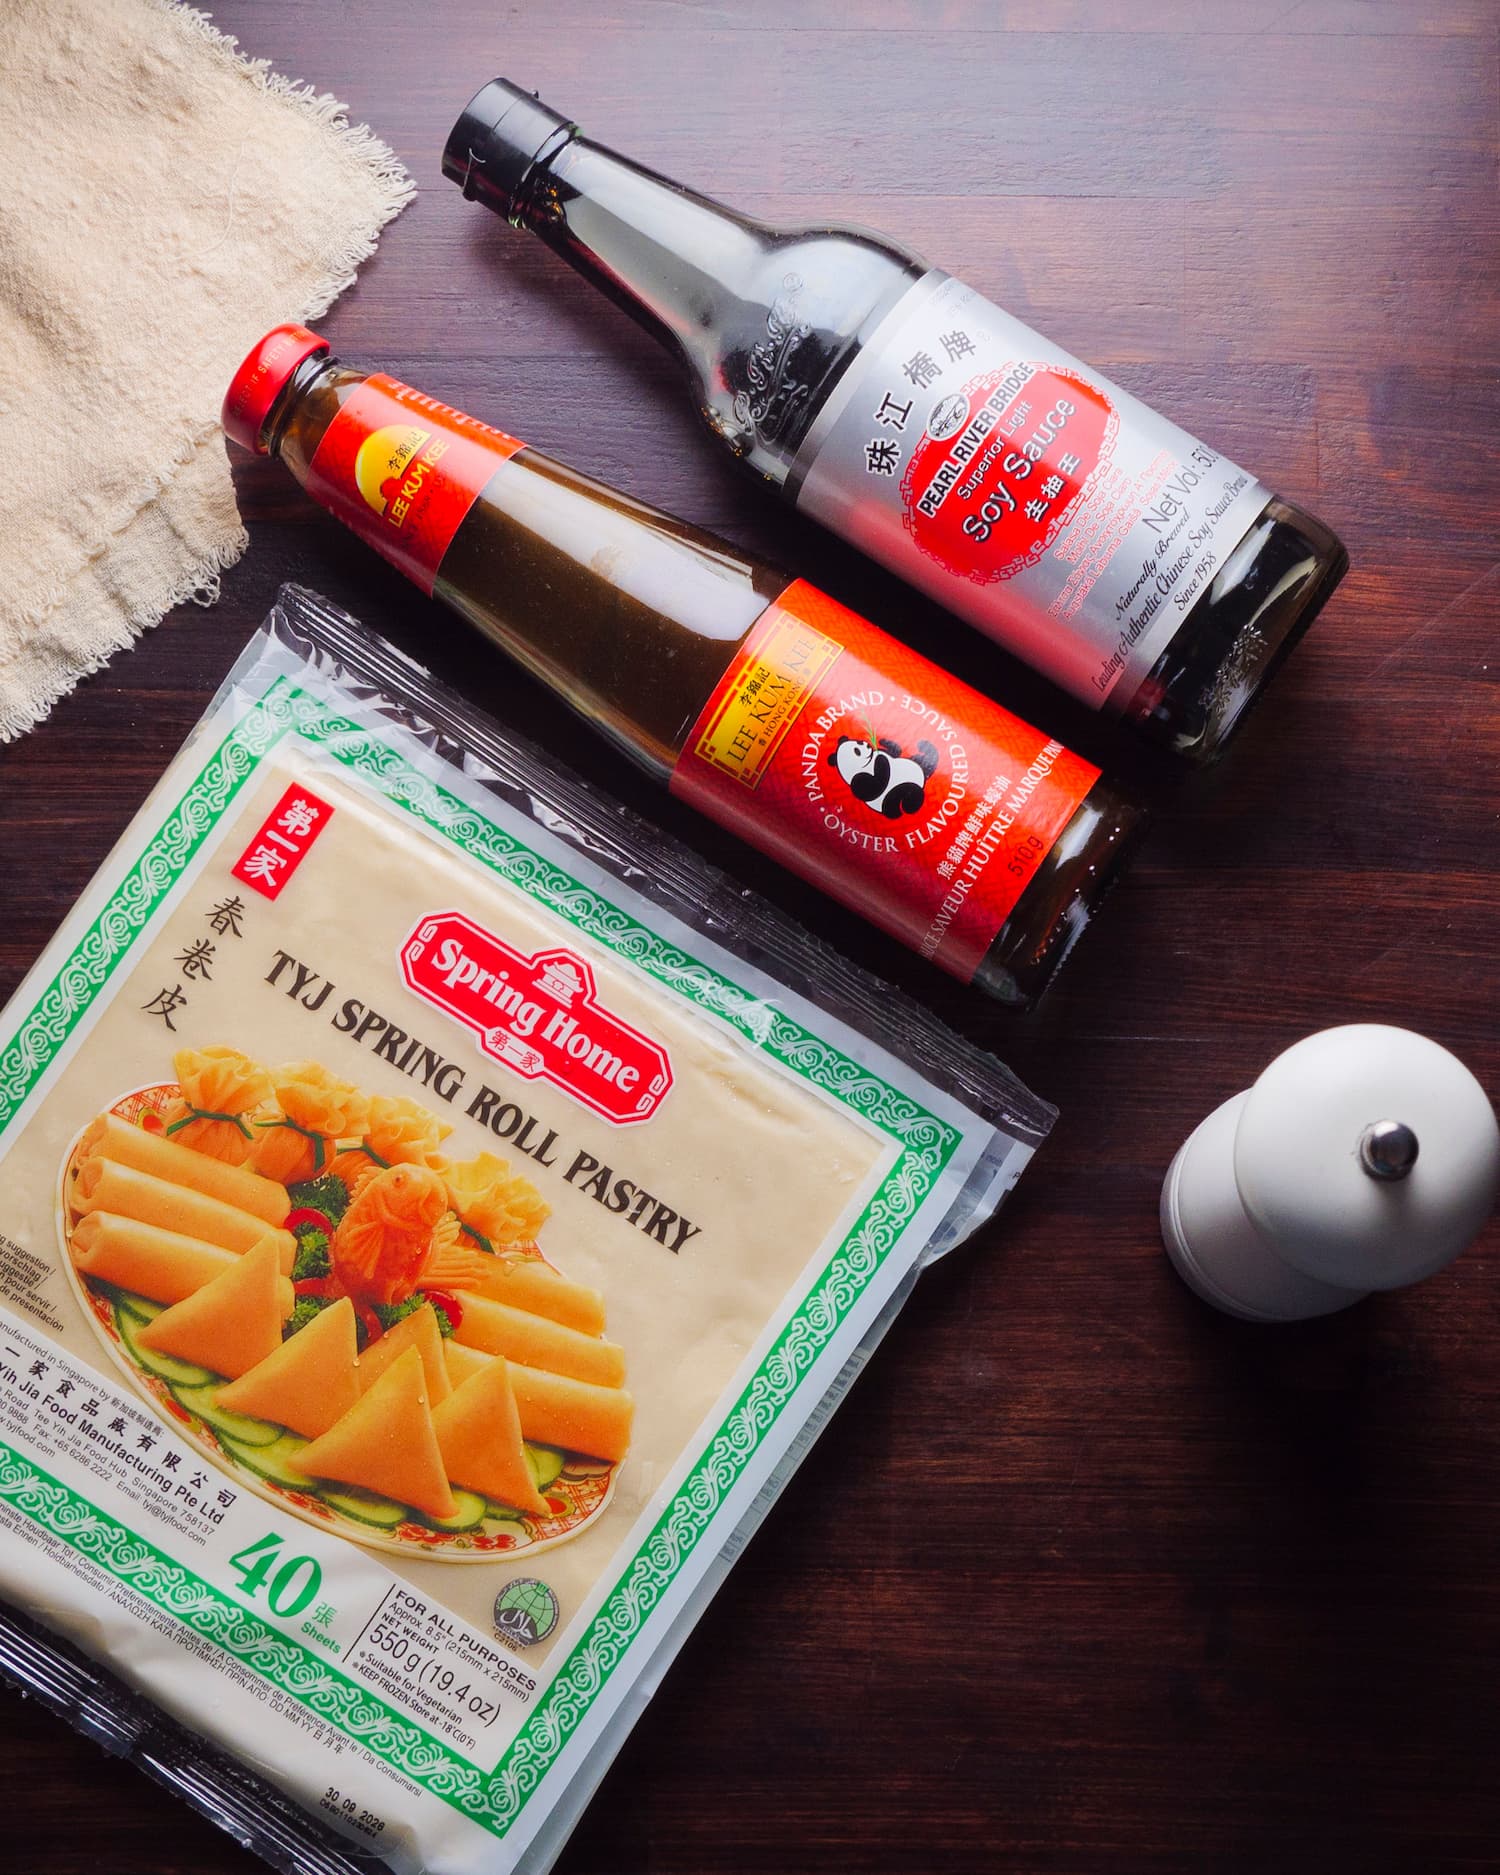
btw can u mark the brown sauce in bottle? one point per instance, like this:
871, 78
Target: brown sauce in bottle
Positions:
789, 338
635, 617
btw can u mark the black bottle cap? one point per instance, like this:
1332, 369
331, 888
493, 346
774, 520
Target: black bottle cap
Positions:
498, 138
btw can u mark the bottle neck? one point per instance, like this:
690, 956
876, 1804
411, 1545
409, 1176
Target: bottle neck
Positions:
669, 257
308, 402
629, 614
764, 319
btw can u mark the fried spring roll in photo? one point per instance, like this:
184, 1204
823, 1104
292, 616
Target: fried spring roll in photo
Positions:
106, 1185
555, 1410
110, 1137
537, 1342
526, 1282
162, 1265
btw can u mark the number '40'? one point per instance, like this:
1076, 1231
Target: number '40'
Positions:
289, 1584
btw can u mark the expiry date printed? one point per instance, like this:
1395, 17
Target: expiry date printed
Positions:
347, 1810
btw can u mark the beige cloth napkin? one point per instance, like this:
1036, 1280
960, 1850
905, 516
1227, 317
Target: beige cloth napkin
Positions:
162, 202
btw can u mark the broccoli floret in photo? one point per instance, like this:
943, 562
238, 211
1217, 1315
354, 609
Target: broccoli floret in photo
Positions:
304, 1311
312, 1255
392, 1312
327, 1194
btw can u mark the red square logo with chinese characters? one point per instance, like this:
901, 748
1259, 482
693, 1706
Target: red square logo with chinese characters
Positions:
283, 842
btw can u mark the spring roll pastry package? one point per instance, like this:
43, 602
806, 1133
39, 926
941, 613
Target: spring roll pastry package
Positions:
436, 1214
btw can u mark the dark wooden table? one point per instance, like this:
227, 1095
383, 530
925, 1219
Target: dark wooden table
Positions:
1207, 1597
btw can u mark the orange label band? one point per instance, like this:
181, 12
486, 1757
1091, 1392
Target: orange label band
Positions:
403, 470
899, 790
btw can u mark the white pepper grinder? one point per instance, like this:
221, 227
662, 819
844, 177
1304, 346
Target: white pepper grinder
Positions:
1364, 1158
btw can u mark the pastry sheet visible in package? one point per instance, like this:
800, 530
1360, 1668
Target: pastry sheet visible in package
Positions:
436, 1214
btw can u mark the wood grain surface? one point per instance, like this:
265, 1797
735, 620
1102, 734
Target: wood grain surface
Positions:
1082, 1577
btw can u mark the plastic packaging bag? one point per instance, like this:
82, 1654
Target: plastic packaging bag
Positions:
438, 1215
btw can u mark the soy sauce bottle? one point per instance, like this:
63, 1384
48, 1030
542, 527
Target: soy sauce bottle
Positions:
1133, 565
978, 841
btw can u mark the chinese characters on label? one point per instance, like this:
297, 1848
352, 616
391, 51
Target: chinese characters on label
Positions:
1022, 490
196, 960
283, 842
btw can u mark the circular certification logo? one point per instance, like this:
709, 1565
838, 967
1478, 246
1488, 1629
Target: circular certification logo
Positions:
525, 1612
949, 415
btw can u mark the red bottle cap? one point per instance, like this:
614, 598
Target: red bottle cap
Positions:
260, 379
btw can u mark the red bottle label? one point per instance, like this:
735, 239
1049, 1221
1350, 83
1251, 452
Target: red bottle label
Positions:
893, 786
978, 435
1022, 490
403, 470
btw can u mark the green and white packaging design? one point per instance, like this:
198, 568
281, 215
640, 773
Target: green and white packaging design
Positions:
347, 868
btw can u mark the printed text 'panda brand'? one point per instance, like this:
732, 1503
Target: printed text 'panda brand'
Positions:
933, 806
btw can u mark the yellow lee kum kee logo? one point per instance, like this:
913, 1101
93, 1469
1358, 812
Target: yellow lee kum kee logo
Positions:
763, 696
390, 473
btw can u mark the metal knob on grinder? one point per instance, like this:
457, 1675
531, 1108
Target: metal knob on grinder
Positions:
1364, 1158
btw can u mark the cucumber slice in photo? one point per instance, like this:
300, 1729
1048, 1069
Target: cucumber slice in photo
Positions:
235, 1426
276, 1461
496, 1512
469, 1515
164, 1366
365, 1507
122, 1299
546, 1464
139, 1308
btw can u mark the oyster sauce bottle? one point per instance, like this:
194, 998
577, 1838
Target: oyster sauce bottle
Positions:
976, 840
1133, 565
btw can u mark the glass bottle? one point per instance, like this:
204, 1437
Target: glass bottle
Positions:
946, 821
1133, 565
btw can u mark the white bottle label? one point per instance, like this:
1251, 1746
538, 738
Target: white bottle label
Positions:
1022, 490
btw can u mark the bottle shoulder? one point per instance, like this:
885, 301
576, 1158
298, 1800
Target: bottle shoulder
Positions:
796, 324
763, 317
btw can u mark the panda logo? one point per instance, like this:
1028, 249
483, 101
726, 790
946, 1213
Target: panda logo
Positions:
880, 776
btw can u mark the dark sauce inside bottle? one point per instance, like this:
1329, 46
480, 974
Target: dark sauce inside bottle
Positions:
767, 321
634, 616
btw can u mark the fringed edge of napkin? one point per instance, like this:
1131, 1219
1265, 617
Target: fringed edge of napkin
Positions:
397, 187
52, 667
189, 534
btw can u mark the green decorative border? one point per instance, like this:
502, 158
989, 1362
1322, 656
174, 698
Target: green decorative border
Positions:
925, 1146
210, 1613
